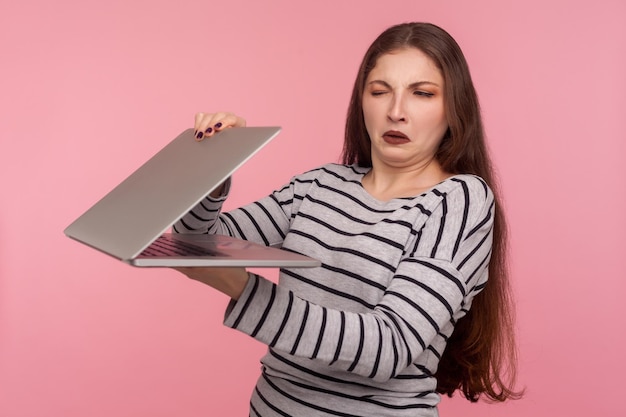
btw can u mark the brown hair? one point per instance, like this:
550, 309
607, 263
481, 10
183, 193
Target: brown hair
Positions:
480, 357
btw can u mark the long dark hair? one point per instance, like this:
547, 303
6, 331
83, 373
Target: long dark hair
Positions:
480, 358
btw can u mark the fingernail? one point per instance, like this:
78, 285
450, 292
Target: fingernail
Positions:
218, 125
199, 135
208, 130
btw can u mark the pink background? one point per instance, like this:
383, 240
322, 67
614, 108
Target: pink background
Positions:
90, 89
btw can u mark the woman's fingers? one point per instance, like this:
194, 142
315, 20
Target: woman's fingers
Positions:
207, 124
230, 281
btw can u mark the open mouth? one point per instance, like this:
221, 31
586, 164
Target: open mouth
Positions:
395, 137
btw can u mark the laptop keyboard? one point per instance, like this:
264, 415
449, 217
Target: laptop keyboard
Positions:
166, 246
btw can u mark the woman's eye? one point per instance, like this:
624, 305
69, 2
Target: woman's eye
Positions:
423, 93
378, 92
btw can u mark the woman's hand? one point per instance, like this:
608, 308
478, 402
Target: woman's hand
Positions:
207, 124
230, 281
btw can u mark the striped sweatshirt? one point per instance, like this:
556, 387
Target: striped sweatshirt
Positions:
362, 335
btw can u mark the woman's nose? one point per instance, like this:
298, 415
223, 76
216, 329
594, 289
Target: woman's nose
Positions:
396, 111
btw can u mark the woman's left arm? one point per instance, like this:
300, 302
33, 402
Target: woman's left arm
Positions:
430, 289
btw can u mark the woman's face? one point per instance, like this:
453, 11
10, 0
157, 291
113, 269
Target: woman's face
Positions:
404, 110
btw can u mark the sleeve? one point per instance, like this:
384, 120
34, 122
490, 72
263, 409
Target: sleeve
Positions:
443, 268
265, 221
202, 218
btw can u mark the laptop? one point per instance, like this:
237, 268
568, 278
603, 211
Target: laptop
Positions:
130, 222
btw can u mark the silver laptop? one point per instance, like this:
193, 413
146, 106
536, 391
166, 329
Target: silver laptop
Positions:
129, 223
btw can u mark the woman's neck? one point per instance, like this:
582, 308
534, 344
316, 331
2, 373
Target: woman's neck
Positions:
384, 182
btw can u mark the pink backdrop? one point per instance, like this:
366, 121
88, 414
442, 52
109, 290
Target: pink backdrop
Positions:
90, 89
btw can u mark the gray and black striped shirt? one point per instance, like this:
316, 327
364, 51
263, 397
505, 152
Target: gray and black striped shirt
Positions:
362, 334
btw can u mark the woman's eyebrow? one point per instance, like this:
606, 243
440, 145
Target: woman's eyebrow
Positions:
421, 83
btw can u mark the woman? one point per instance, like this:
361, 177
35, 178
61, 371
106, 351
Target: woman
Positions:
410, 235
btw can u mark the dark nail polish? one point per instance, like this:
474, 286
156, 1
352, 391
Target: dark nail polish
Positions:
208, 130
199, 135
218, 125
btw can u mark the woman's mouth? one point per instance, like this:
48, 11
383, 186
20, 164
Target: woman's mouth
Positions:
393, 137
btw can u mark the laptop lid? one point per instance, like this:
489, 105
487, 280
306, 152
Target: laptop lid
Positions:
142, 207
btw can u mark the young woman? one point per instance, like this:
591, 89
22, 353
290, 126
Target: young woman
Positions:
412, 298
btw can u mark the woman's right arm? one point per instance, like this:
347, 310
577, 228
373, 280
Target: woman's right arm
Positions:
201, 217
208, 124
